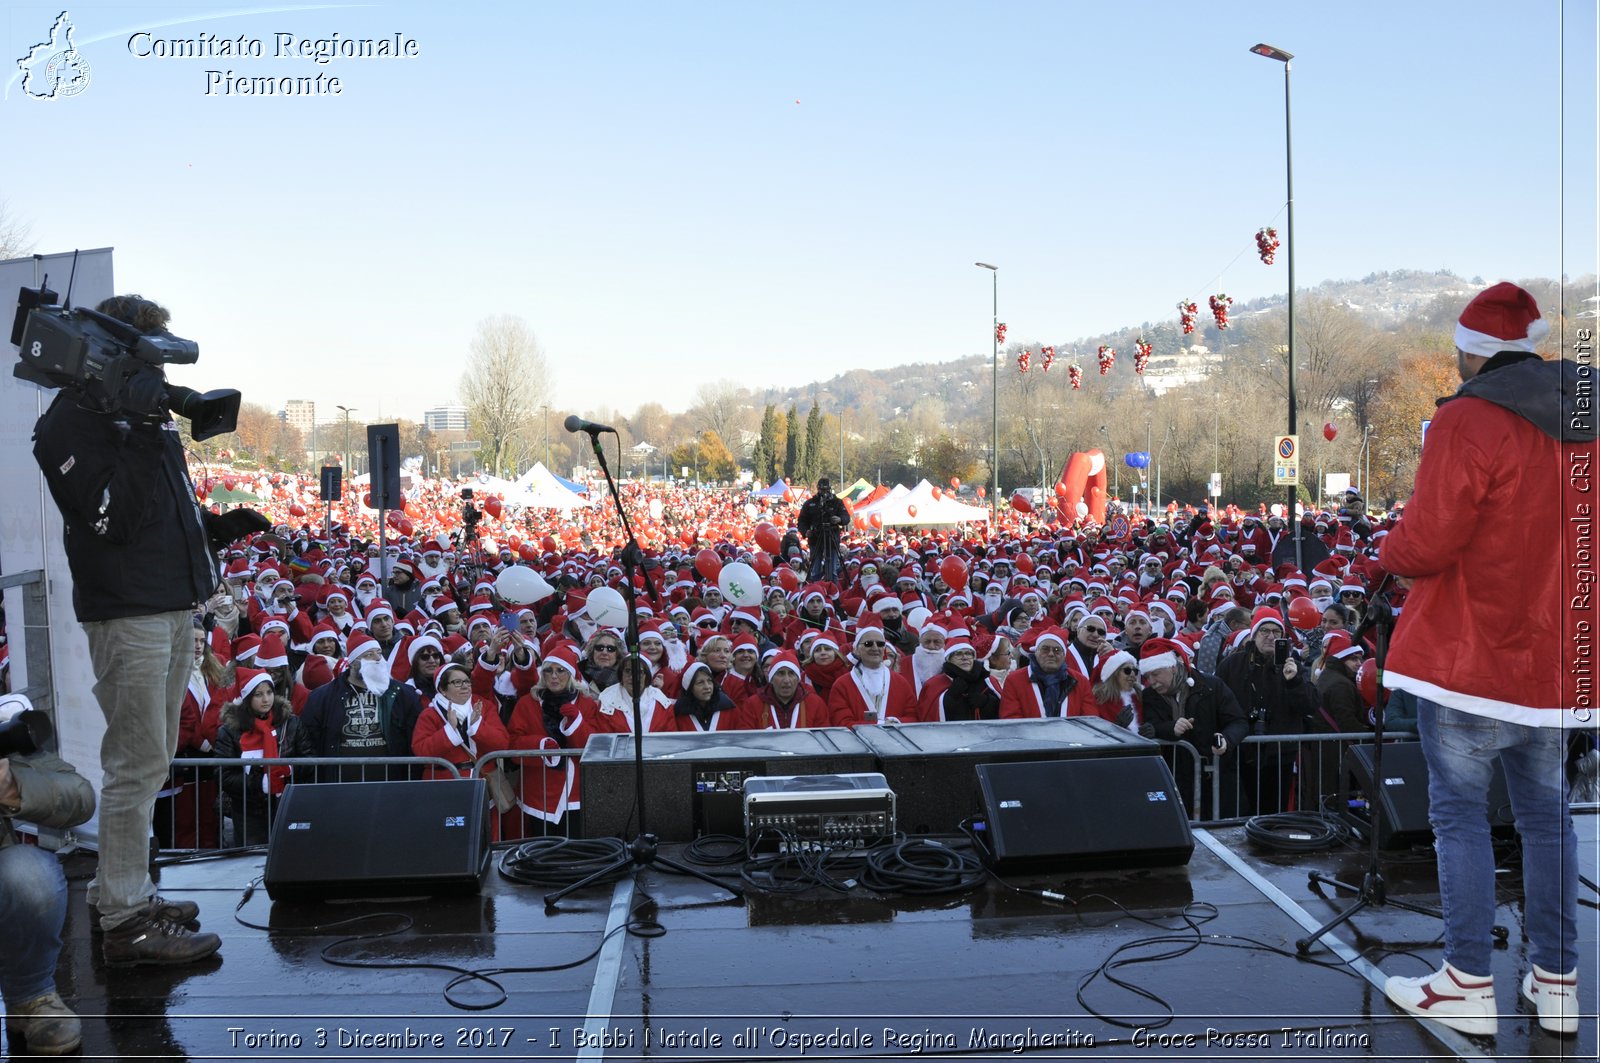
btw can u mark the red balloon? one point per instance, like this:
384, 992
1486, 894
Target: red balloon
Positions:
1367, 681
953, 570
297, 510
549, 544
1304, 614
788, 496
366, 500
877, 520
762, 563
769, 538
982, 492
528, 551
395, 517
405, 527
788, 579
1329, 431
707, 563
911, 511
1025, 564
492, 507
229, 483
1021, 503
937, 494
1061, 490
955, 482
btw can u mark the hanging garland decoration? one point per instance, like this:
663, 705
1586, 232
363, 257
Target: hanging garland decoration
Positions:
1075, 374
1047, 358
1187, 313
1266, 244
1024, 360
1141, 355
1219, 309
1107, 357
1000, 334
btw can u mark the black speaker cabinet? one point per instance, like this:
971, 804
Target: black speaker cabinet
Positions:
383, 460
1398, 808
379, 839
694, 783
929, 765
332, 486
1083, 815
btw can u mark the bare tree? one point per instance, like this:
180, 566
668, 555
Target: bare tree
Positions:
724, 408
16, 237
505, 383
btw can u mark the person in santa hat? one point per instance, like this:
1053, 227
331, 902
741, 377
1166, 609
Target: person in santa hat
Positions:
784, 702
1198, 709
255, 724
362, 712
1116, 689
1486, 644
871, 692
1047, 687
824, 664
961, 690
703, 705
458, 726
1279, 699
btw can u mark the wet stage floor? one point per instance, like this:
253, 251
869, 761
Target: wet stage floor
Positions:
994, 973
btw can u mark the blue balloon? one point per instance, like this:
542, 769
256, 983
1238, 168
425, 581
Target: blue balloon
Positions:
1131, 460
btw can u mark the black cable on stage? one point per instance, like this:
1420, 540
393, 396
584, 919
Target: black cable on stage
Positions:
486, 977
795, 866
715, 850
556, 861
1296, 832
921, 866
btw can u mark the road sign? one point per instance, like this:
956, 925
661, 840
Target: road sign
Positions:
1216, 485
1286, 461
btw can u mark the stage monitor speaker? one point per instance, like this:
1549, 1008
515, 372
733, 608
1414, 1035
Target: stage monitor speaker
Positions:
694, 782
379, 839
1398, 810
1084, 815
383, 460
929, 765
332, 487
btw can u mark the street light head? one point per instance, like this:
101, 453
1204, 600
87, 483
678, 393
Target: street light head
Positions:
986, 265
1272, 53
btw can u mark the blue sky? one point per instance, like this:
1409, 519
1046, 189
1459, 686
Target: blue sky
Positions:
673, 194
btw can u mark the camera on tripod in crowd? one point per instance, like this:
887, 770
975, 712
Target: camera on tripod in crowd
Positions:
470, 514
114, 367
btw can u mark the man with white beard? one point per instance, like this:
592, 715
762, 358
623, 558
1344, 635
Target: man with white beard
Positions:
433, 564
927, 660
362, 713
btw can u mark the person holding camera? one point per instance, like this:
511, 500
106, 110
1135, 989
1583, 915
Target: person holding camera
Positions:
44, 789
1272, 688
142, 556
822, 516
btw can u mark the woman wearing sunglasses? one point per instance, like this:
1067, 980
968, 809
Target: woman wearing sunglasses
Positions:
1116, 693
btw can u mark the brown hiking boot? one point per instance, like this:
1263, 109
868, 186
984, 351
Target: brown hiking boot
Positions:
184, 912
146, 940
46, 1025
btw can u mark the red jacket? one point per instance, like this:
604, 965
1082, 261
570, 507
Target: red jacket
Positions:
1489, 538
847, 705
433, 739
807, 710
1020, 700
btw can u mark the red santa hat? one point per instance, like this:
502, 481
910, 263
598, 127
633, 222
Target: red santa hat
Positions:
565, 655
1158, 653
745, 641
867, 627
361, 644
957, 644
1265, 615
417, 645
1339, 645
271, 653
783, 660
1501, 318
245, 647
249, 679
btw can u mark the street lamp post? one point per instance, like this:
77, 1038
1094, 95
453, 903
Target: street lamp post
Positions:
1283, 57
349, 466
994, 395
546, 409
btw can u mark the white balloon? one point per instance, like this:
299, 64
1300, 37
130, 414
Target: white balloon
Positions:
750, 510
1083, 509
739, 584
656, 509
607, 607
917, 617
520, 585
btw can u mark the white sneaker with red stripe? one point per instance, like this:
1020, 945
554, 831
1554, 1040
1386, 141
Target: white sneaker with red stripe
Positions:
1556, 997
1458, 1000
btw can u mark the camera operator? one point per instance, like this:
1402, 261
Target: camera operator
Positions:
821, 518
43, 789
1272, 688
142, 556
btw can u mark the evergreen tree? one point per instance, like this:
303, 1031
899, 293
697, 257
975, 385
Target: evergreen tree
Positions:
817, 452
794, 459
766, 450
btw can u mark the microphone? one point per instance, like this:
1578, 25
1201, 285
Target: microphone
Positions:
578, 424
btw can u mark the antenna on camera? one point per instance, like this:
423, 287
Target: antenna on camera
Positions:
72, 276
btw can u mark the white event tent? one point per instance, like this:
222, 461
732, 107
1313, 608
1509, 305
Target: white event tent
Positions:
539, 489
895, 508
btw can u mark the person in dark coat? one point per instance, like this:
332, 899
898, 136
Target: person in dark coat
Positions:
364, 712
1193, 708
1340, 711
258, 724
822, 517
1278, 699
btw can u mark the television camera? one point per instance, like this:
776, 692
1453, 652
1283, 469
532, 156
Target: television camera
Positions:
112, 365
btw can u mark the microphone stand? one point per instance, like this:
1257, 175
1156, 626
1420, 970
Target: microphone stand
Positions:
642, 850
1373, 891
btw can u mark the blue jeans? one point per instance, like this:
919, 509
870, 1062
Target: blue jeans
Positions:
141, 668
1460, 748
33, 907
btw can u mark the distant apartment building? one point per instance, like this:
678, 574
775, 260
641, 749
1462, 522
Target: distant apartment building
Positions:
445, 419
300, 413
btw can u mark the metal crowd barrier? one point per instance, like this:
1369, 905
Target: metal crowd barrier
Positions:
1280, 773
547, 798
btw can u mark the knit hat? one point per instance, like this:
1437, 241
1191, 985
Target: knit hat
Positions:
1501, 318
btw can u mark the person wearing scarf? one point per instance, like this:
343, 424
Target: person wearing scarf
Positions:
961, 690
1046, 688
825, 666
613, 713
256, 725
784, 703
555, 714
456, 725
703, 706
872, 692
